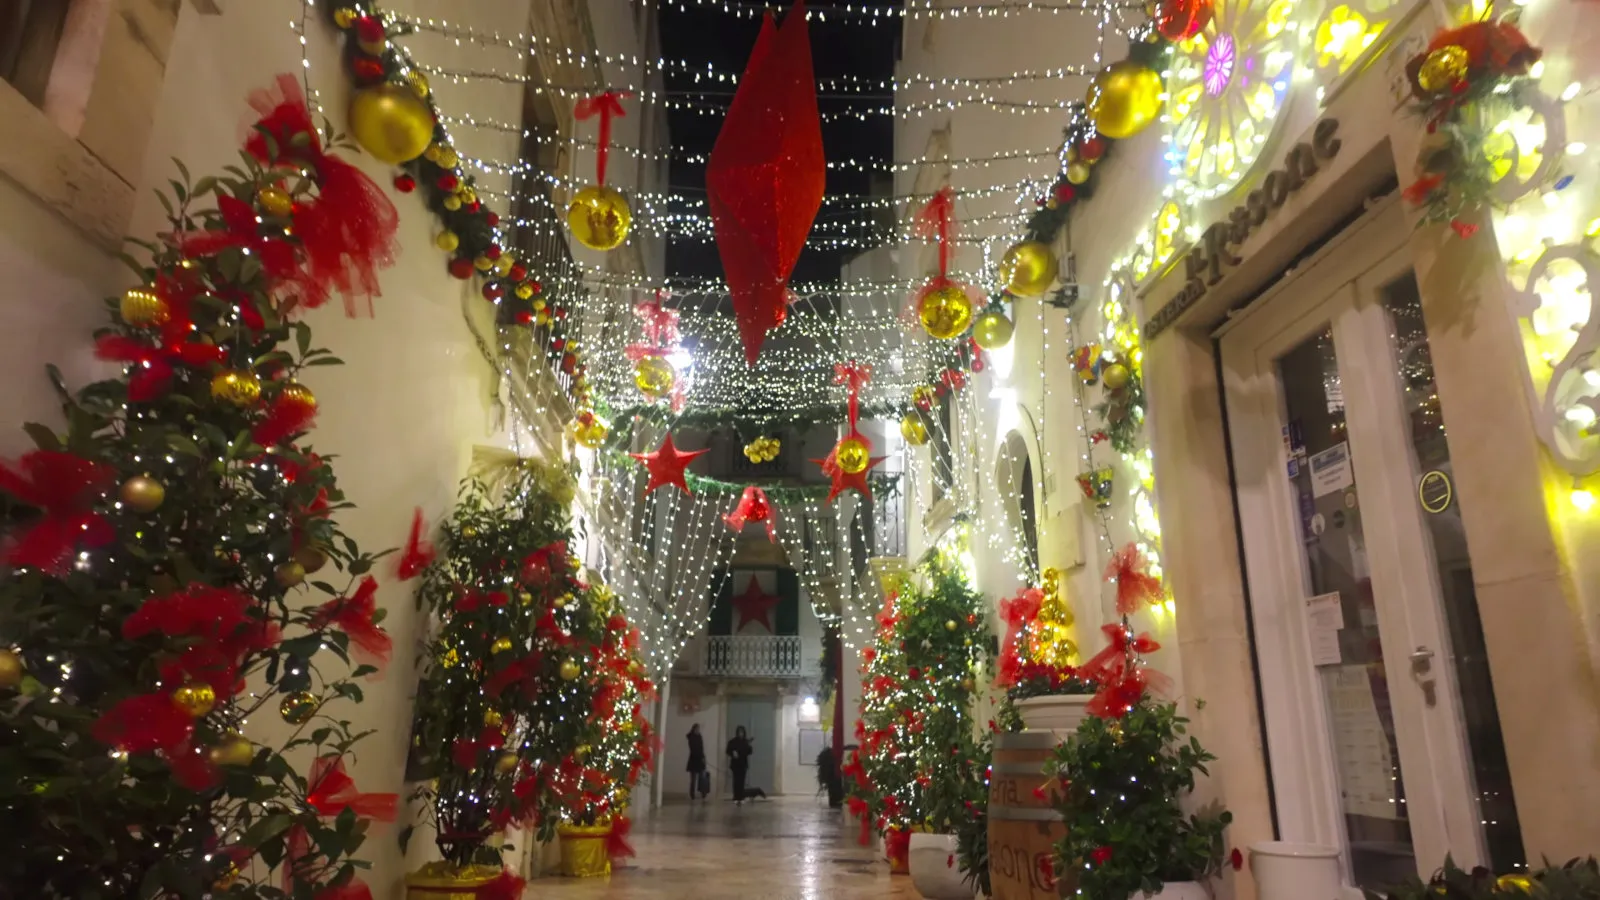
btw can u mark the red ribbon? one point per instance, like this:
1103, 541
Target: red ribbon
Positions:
1120, 674
153, 363
897, 844
605, 106
660, 323
418, 553
934, 223
1135, 585
1018, 613
854, 376
285, 417
239, 229
64, 488
617, 846
353, 615
475, 600
333, 791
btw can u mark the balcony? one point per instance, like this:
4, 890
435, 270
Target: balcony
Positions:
755, 656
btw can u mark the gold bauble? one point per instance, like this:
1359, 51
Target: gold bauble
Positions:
506, 763
945, 312
483, 263
562, 601
492, 718
1078, 172
653, 376
924, 396
502, 266
226, 879
194, 699
289, 574
967, 684
525, 598
913, 429
581, 751
635, 668
142, 308
570, 670
950, 625
311, 558
418, 83
1028, 269
452, 203
1125, 99
447, 241
992, 330
142, 494
297, 394
233, 750
275, 201
240, 387
10, 669
448, 157
391, 122
1115, 376
1443, 69
500, 645
469, 532
1514, 882
344, 17
590, 430
853, 456
599, 217
298, 707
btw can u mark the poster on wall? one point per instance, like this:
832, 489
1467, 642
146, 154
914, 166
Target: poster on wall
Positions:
1360, 743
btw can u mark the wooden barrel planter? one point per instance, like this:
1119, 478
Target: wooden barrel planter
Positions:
1023, 827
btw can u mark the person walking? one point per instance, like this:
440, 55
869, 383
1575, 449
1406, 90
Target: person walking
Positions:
739, 750
697, 763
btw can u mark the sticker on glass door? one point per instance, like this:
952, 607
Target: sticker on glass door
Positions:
1330, 470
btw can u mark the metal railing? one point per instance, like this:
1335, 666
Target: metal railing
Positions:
757, 656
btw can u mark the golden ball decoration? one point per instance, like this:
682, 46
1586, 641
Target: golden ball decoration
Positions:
913, 429
447, 241
852, 455
10, 669
570, 670
299, 396
1115, 376
289, 574
763, 449
1028, 268
992, 330
237, 387
653, 376
483, 264
298, 707
311, 558
525, 598
1078, 172
1125, 99
492, 718
561, 601
506, 763
950, 625
143, 308
142, 494
233, 750
924, 396
194, 699
275, 201
945, 312
452, 203
418, 82
468, 532
599, 217
344, 17
590, 430
500, 645
1443, 69
391, 122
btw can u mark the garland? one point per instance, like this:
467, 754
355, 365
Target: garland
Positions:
888, 482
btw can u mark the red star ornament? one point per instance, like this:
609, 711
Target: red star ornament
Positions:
666, 465
843, 480
755, 605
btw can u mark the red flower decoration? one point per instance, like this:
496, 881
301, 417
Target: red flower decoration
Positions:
1236, 859
1100, 855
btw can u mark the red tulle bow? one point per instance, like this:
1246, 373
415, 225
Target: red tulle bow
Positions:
1122, 676
854, 376
353, 615
418, 554
605, 106
354, 889
476, 600
153, 363
660, 323
332, 792
239, 228
1018, 613
219, 629
753, 507
934, 223
64, 488
1135, 585
505, 887
617, 846
349, 230
286, 417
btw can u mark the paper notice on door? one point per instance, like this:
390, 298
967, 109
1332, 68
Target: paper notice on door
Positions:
1324, 619
1360, 743
1330, 470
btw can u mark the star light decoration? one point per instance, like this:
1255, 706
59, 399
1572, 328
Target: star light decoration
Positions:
755, 605
848, 463
666, 465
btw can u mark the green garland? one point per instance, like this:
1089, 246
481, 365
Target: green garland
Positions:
883, 484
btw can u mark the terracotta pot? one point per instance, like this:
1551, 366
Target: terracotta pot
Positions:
934, 871
1059, 712
442, 881
583, 850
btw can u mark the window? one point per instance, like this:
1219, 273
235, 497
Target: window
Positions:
30, 35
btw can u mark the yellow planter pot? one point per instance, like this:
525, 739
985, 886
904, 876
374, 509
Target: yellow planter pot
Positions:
583, 850
443, 881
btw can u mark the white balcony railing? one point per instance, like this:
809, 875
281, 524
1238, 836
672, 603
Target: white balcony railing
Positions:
756, 656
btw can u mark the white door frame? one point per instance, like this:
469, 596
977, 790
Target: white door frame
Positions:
1340, 286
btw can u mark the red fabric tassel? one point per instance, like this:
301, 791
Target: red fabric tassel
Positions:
753, 507
605, 106
506, 887
1135, 585
353, 615
144, 724
617, 846
332, 792
1117, 670
64, 488
418, 554
934, 223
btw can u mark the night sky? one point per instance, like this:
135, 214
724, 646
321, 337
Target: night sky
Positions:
840, 46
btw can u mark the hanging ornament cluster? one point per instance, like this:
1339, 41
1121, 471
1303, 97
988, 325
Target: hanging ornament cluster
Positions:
1122, 401
754, 507
762, 449
598, 214
1049, 638
942, 306
588, 429
1096, 485
765, 176
1465, 81
1087, 362
653, 373
851, 458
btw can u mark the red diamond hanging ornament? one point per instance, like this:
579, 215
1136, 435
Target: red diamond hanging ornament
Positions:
765, 177
848, 463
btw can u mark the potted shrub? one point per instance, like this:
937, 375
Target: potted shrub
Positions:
1579, 879
1121, 783
972, 835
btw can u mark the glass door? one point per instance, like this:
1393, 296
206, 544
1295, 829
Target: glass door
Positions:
1382, 733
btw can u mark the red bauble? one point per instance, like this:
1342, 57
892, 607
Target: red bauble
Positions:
462, 268
518, 272
558, 345
405, 184
523, 317
366, 69
537, 287
493, 252
448, 181
1179, 20
1092, 149
567, 362
369, 29
493, 291
560, 312
474, 206
493, 218
1064, 193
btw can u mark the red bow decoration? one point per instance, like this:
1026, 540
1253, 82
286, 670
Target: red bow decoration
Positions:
505, 887
476, 600
1018, 613
660, 326
854, 376
64, 488
605, 106
239, 228
153, 363
753, 507
1135, 585
332, 791
617, 846
219, 631
348, 232
1120, 674
353, 615
287, 416
354, 889
418, 554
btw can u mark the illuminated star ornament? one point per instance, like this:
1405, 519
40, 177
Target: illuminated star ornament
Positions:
851, 458
755, 605
666, 465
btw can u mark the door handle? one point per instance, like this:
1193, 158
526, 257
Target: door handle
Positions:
1421, 660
